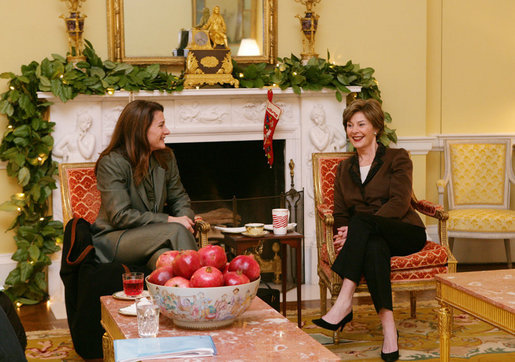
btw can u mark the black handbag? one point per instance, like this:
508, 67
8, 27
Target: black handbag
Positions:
85, 281
270, 296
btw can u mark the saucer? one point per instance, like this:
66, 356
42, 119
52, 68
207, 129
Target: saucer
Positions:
121, 295
290, 227
254, 235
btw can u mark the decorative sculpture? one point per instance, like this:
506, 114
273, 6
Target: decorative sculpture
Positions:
209, 57
309, 24
74, 27
78, 146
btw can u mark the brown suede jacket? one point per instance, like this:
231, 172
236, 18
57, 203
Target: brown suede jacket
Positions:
386, 191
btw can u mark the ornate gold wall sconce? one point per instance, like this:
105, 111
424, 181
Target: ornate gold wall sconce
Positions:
309, 25
74, 27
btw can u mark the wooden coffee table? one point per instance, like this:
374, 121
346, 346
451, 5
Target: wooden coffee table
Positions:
259, 334
486, 295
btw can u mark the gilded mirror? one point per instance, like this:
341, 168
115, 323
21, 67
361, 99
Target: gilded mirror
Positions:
155, 31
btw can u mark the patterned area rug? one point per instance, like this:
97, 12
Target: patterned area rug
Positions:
361, 339
52, 345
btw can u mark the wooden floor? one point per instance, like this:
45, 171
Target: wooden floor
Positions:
39, 317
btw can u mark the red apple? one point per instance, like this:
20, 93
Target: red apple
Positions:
161, 275
206, 277
167, 258
212, 255
247, 264
178, 282
235, 278
186, 263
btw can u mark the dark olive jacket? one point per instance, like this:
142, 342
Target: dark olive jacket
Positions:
126, 205
386, 191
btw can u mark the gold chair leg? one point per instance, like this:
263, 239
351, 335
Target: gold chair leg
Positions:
323, 299
413, 303
507, 247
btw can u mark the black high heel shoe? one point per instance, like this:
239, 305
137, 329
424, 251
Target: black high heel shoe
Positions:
333, 327
392, 356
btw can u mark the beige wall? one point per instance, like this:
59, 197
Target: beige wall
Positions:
443, 66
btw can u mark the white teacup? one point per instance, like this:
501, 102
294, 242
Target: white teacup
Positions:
255, 228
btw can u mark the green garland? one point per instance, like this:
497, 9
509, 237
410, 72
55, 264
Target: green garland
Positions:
27, 143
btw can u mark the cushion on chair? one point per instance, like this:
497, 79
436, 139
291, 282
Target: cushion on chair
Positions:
482, 220
327, 174
425, 264
478, 173
84, 196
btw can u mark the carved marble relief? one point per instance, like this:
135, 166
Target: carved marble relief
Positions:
324, 137
254, 111
79, 145
109, 122
195, 113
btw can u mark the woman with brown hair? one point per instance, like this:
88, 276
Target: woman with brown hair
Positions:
138, 180
373, 220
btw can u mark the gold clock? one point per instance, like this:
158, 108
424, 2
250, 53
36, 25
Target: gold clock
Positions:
199, 40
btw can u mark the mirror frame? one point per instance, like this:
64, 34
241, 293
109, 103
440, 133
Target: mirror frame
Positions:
116, 38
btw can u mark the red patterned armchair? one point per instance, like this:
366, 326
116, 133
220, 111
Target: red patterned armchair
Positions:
409, 273
80, 197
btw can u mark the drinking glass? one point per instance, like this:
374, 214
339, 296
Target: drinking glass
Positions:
148, 317
132, 283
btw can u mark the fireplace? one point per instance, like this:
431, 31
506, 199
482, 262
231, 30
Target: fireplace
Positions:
215, 174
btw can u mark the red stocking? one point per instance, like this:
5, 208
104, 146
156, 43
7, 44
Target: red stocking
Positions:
272, 114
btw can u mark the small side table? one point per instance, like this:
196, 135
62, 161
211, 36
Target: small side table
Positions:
239, 243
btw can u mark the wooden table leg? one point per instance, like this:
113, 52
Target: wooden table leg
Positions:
283, 275
445, 329
298, 254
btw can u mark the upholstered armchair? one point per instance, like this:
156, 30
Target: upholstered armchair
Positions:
410, 273
80, 197
477, 177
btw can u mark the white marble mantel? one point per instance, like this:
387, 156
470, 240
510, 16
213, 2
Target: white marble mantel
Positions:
310, 122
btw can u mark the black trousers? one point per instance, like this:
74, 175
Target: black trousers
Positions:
371, 242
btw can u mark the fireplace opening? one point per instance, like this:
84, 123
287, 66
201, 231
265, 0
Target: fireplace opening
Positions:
218, 174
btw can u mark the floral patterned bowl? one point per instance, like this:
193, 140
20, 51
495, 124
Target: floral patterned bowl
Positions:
203, 308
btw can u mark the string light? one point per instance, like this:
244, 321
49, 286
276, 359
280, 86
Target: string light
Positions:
110, 91
294, 73
11, 88
41, 219
241, 75
18, 304
10, 126
20, 196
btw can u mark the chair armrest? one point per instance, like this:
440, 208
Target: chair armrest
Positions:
430, 209
325, 213
201, 229
326, 218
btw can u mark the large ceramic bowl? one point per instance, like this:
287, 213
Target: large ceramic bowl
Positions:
203, 308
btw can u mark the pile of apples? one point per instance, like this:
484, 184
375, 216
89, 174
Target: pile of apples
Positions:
207, 267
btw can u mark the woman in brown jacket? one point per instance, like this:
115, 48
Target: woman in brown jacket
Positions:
373, 220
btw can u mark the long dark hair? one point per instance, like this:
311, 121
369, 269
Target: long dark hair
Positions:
130, 138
